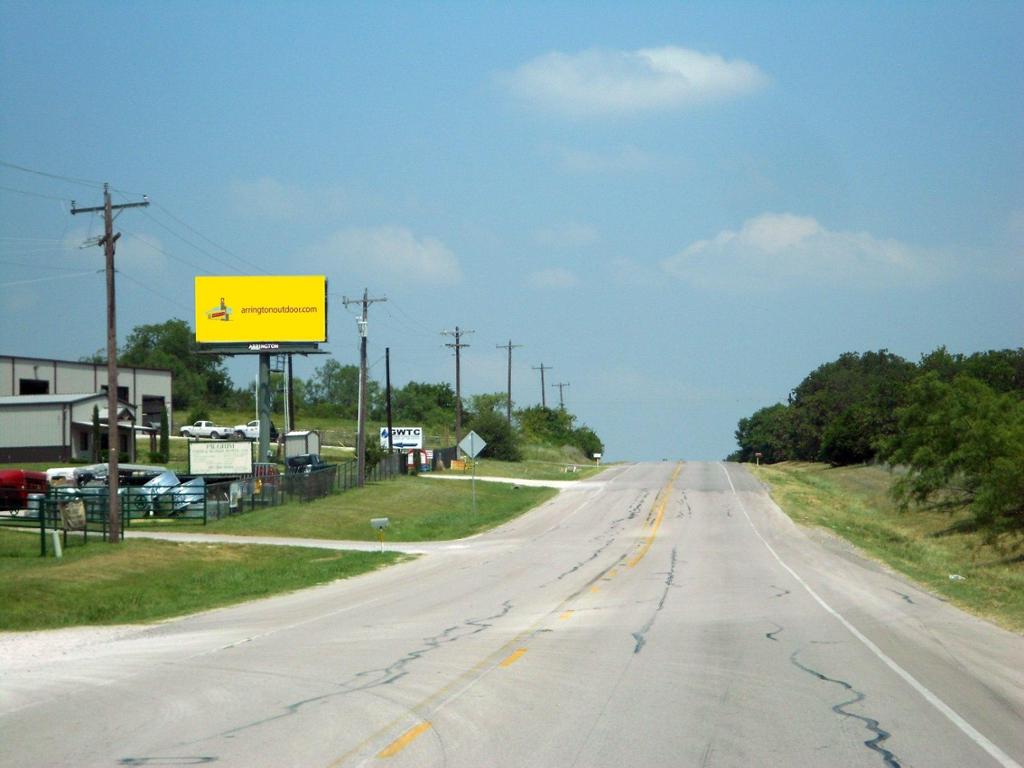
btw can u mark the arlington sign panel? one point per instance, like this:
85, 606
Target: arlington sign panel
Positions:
265, 308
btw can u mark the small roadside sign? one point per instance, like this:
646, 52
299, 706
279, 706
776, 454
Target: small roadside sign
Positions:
472, 444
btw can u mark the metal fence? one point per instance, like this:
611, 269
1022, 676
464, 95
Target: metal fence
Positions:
85, 511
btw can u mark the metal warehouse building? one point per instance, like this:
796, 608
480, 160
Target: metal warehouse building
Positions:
46, 406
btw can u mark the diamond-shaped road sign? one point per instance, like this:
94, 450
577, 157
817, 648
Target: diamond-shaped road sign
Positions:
472, 444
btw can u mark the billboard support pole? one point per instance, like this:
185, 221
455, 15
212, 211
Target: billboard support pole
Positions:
263, 405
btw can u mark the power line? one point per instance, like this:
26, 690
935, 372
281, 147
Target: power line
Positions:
168, 254
35, 194
51, 277
193, 245
196, 232
141, 284
36, 266
72, 179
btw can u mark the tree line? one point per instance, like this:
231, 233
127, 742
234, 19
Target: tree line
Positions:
952, 423
201, 383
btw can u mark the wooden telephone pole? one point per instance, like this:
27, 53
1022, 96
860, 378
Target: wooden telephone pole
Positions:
561, 394
543, 394
366, 301
508, 403
108, 242
458, 333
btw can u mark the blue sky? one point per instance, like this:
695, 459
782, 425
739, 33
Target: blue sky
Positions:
682, 208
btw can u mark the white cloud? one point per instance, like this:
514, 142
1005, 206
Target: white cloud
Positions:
571, 235
554, 278
627, 159
394, 252
774, 250
601, 82
267, 197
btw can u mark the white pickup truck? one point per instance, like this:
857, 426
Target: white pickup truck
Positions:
206, 429
251, 431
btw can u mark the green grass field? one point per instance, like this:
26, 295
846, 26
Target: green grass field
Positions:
144, 581
854, 502
419, 509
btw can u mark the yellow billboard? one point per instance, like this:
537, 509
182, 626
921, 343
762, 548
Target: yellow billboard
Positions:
275, 308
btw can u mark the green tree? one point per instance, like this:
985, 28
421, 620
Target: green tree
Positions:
963, 445
843, 409
333, 390
421, 403
587, 441
546, 425
768, 431
502, 440
198, 379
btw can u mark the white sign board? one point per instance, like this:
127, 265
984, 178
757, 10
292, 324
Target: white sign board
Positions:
220, 458
472, 444
402, 438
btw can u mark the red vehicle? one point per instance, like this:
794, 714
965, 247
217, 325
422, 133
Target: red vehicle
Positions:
17, 484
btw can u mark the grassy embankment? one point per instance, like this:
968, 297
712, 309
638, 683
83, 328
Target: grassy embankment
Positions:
145, 581
419, 510
142, 581
854, 502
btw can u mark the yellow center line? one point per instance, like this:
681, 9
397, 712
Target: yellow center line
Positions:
595, 588
513, 658
565, 615
611, 573
660, 504
403, 741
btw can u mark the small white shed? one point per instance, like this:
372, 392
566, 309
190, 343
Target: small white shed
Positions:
300, 442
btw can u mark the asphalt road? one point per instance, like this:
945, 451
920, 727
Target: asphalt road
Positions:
661, 615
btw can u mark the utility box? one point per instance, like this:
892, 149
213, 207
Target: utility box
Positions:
301, 442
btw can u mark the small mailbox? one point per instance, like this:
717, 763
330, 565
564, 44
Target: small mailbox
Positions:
379, 523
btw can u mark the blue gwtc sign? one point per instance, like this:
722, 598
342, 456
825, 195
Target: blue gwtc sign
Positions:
402, 438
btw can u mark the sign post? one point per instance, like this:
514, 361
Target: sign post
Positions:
471, 445
379, 524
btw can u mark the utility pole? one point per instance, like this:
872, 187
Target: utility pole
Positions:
508, 405
108, 241
561, 399
387, 379
543, 395
289, 409
458, 333
361, 437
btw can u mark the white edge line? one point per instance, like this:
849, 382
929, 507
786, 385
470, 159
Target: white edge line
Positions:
969, 730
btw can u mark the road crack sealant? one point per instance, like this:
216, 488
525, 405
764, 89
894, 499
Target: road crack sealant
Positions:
614, 528
381, 676
670, 577
881, 735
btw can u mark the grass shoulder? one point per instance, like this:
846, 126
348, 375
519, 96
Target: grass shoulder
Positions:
142, 581
927, 546
418, 509
533, 470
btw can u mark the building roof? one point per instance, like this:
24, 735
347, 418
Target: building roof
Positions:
120, 367
48, 399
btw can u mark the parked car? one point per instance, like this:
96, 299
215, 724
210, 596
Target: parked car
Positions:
305, 462
251, 431
17, 484
206, 429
